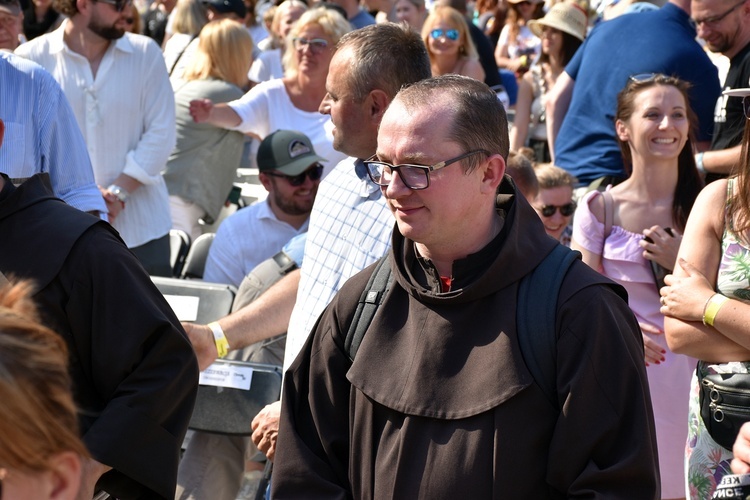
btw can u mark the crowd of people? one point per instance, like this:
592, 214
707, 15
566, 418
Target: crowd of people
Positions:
434, 179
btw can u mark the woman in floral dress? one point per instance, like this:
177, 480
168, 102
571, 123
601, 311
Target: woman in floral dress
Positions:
713, 269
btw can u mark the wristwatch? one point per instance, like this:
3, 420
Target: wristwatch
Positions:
119, 192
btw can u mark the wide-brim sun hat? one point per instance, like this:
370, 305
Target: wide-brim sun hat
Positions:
566, 17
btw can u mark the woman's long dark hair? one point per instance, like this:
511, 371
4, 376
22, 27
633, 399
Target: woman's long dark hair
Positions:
570, 45
689, 181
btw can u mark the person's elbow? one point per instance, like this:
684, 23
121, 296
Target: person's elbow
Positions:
675, 332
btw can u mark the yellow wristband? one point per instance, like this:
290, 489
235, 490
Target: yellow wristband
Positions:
712, 307
222, 345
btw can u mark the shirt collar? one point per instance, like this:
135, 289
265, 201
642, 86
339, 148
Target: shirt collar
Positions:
57, 41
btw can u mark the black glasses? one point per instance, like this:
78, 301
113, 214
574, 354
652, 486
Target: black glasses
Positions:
119, 5
317, 45
714, 20
565, 210
413, 176
314, 173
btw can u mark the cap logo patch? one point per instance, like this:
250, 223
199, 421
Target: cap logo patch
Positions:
298, 148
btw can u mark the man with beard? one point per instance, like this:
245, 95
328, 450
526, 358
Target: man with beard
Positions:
119, 90
725, 27
290, 171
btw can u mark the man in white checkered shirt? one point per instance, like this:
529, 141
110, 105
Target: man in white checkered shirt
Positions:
350, 225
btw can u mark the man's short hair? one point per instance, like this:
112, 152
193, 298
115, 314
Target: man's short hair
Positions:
12, 7
479, 119
386, 57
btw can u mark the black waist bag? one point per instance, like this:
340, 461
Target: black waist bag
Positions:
725, 404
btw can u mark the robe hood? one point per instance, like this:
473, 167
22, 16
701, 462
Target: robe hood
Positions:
453, 355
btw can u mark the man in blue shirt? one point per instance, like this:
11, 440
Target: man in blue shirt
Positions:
581, 105
42, 135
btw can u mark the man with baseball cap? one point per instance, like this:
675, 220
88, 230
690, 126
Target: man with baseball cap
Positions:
290, 170
11, 24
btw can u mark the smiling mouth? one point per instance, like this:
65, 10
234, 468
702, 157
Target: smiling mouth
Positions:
665, 141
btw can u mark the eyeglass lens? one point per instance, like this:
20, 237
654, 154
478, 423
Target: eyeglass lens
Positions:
315, 44
565, 210
413, 176
449, 34
746, 106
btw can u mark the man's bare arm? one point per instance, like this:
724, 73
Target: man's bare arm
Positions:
265, 317
723, 161
557, 104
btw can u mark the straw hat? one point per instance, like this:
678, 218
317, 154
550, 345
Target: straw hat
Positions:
566, 17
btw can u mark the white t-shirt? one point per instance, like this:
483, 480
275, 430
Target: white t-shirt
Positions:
267, 108
524, 43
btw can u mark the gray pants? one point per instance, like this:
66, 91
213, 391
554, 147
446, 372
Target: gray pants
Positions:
213, 465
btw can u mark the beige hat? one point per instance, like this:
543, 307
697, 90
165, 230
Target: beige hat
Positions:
566, 17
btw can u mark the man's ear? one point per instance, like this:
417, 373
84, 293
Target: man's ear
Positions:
265, 179
379, 103
494, 170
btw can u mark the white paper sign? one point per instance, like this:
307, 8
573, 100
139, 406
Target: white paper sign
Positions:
222, 374
185, 307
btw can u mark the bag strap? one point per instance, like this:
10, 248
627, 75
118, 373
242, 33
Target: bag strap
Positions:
536, 316
371, 298
179, 56
609, 213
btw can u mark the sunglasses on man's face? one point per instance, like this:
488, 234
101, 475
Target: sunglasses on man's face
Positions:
119, 5
314, 173
449, 34
565, 210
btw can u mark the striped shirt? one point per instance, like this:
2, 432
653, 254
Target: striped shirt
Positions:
41, 134
126, 114
350, 228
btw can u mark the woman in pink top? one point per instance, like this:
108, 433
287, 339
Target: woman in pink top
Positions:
634, 239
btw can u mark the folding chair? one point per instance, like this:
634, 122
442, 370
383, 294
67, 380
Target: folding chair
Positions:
196, 301
195, 262
179, 244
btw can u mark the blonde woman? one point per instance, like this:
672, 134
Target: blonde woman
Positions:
267, 65
292, 102
41, 454
449, 45
200, 170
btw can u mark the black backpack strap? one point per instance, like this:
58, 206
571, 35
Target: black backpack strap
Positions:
536, 315
371, 298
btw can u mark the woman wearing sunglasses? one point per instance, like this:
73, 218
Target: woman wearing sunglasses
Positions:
451, 51
632, 232
562, 31
292, 102
554, 201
